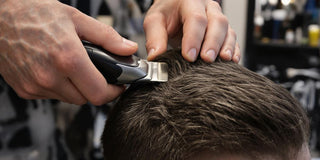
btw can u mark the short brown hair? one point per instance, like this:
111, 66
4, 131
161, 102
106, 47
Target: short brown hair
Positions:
220, 107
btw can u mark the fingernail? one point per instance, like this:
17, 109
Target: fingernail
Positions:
192, 54
237, 58
151, 51
129, 43
229, 54
211, 54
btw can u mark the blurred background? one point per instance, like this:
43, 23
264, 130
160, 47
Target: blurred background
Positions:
280, 40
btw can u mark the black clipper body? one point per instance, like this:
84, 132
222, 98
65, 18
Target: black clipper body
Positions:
125, 69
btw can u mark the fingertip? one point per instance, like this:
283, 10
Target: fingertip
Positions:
226, 54
237, 55
153, 53
236, 59
130, 44
123, 48
209, 56
190, 55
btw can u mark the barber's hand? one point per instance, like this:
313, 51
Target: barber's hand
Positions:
41, 55
198, 26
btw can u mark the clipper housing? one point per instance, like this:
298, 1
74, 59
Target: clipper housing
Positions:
125, 69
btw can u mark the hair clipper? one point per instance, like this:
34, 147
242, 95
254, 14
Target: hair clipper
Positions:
125, 69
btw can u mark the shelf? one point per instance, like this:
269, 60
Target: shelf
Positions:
276, 45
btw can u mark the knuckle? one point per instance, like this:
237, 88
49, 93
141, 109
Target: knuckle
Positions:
148, 44
45, 80
150, 18
107, 29
63, 55
147, 20
74, 12
215, 5
67, 63
110, 33
216, 47
200, 18
222, 19
233, 33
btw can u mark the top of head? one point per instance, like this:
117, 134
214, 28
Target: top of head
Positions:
219, 107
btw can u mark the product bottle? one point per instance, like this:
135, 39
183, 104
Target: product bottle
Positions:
313, 31
267, 25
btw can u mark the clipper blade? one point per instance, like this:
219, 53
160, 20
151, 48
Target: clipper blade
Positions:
156, 71
159, 72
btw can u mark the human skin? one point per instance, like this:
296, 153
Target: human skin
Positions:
42, 57
201, 25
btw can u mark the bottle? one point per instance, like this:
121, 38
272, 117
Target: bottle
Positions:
278, 16
313, 31
289, 36
312, 10
258, 20
266, 29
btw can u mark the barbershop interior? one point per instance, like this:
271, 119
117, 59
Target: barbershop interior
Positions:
278, 39
282, 43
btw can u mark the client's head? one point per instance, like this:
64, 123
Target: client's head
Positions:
218, 111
